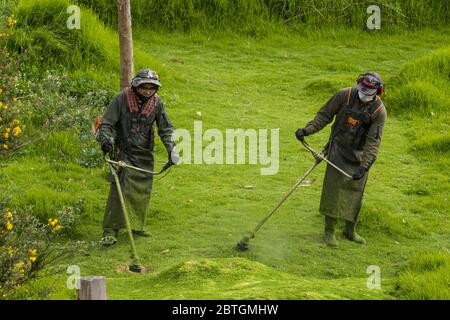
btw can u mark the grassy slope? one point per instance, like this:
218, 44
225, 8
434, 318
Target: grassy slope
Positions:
199, 212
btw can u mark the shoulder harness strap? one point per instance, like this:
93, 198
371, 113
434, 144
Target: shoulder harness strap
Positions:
375, 106
133, 106
349, 95
378, 105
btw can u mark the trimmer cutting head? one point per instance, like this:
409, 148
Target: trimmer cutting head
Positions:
136, 268
244, 243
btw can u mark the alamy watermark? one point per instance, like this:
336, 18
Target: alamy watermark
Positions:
374, 279
231, 146
73, 281
74, 21
374, 21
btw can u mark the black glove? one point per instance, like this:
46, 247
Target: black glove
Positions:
107, 147
359, 174
300, 134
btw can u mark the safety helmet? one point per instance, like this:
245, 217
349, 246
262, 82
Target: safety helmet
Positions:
145, 76
370, 83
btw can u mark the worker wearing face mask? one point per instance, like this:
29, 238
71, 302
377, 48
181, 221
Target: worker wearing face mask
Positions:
359, 116
126, 132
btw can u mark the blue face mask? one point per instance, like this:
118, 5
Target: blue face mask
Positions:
365, 99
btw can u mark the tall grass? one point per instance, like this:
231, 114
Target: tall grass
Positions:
42, 33
248, 17
427, 277
255, 16
422, 86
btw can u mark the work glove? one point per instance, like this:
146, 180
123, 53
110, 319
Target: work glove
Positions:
300, 134
174, 158
359, 174
107, 147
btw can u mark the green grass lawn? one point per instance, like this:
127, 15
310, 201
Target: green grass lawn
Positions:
199, 212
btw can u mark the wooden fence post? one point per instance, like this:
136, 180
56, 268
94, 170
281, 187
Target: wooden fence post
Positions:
126, 43
92, 288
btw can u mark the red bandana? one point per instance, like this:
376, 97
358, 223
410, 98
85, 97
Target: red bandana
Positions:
133, 103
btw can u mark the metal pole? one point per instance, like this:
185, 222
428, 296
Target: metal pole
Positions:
134, 255
297, 184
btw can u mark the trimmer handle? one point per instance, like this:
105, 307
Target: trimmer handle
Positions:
318, 156
322, 156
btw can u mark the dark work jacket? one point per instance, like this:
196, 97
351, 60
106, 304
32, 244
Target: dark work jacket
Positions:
354, 141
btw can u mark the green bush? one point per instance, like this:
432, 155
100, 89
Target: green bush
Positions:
27, 247
50, 113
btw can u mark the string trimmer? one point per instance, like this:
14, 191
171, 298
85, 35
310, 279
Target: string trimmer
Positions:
135, 265
244, 243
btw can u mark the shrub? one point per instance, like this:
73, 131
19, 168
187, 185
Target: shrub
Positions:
27, 248
10, 128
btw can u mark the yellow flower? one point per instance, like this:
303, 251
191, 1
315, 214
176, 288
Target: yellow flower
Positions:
6, 133
14, 100
53, 222
11, 251
9, 226
19, 266
17, 131
1, 104
57, 228
32, 259
9, 215
32, 252
11, 21
4, 146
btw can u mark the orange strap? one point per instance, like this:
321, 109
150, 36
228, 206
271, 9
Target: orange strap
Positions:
378, 109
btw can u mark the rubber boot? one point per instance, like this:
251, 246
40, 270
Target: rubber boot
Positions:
109, 237
330, 238
350, 233
141, 233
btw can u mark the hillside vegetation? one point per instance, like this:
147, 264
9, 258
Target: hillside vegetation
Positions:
253, 64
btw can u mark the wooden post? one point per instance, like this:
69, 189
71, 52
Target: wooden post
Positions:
126, 43
92, 288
